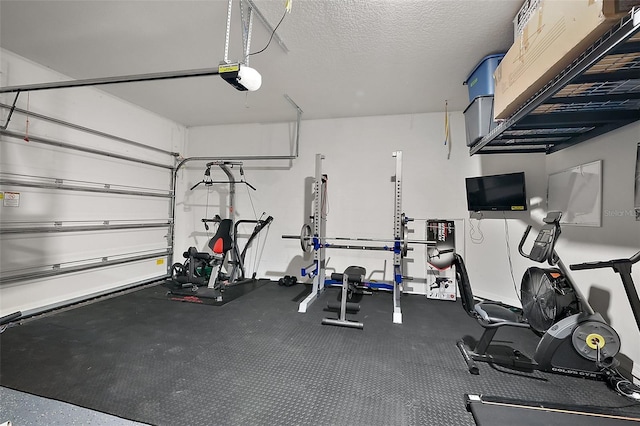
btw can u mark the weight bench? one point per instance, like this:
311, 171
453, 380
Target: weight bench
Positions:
352, 283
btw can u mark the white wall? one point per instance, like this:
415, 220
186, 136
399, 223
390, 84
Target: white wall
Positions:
360, 165
619, 235
94, 109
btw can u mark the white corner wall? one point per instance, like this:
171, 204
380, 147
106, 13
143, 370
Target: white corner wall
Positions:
37, 162
619, 235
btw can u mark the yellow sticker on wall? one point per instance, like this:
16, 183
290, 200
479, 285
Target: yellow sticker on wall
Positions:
160, 262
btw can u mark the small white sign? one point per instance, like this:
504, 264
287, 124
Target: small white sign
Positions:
11, 199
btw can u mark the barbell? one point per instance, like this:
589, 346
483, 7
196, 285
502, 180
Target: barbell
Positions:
306, 239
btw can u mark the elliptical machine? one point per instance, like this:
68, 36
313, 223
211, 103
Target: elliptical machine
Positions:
578, 342
623, 268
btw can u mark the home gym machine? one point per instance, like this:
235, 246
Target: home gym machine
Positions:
200, 278
576, 341
313, 239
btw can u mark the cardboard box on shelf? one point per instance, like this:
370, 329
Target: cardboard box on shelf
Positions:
556, 34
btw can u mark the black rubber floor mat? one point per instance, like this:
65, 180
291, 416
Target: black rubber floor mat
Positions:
257, 361
209, 296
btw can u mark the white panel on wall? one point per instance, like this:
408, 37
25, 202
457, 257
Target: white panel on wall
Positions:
577, 193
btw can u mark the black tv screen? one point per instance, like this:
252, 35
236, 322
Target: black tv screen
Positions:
504, 192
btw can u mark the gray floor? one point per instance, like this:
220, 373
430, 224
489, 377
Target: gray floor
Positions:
22, 409
257, 361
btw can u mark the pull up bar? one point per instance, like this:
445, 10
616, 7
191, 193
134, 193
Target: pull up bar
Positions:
223, 165
211, 182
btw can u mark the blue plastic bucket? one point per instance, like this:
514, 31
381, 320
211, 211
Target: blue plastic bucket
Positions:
480, 81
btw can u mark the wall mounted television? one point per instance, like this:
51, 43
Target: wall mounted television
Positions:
505, 192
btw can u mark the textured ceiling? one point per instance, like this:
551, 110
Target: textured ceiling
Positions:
346, 58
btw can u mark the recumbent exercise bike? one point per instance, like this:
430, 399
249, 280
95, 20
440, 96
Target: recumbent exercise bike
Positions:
575, 340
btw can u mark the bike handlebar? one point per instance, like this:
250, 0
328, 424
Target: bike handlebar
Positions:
604, 264
522, 240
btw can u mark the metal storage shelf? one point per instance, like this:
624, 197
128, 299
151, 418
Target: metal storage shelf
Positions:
597, 93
